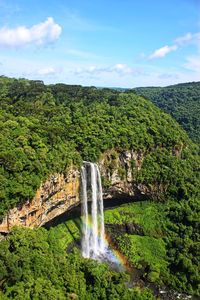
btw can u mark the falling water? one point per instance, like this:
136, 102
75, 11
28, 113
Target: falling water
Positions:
93, 217
101, 214
85, 238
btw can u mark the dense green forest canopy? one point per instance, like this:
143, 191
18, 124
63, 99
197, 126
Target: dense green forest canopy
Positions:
166, 247
34, 264
181, 101
45, 128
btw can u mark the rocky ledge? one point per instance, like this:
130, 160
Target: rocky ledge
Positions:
55, 196
60, 192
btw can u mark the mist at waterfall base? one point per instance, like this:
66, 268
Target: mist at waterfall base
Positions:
96, 244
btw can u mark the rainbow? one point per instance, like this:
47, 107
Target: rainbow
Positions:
112, 254
117, 255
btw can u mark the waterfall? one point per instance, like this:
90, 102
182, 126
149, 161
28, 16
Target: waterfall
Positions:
85, 238
92, 215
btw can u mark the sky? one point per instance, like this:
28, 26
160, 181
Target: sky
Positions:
105, 43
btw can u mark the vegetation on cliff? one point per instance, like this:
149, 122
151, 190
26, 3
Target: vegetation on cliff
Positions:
160, 239
44, 129
181, 101
34, 265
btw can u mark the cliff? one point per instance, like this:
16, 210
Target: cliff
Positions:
61, 192
55, 196
119, 171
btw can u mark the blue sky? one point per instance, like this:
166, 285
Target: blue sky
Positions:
103, 43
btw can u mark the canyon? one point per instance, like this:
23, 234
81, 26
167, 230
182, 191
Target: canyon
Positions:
61, 192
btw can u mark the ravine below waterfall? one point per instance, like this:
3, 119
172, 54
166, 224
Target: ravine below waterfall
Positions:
92, 237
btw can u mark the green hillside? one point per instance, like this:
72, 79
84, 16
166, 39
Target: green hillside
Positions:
46, 128
181, 101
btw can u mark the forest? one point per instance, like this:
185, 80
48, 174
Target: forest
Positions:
181, 101
45, 129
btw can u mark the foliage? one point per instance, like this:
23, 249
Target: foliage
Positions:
149, 215
46, 128
183, 246
34, 266
167, 175
146, 251
182, 101
168, 249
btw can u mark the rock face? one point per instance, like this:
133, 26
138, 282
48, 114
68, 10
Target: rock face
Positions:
60, 193
119, 171
130, 228
55, 196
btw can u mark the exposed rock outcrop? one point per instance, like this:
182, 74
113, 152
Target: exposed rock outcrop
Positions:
130, 228
61, 192
119, 170
55, 196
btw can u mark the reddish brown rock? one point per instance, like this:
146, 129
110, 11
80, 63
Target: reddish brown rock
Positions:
55, 196
61, 192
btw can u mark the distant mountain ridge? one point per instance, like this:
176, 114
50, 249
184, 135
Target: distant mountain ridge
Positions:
182, 101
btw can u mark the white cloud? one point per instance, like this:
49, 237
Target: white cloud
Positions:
170, 76
192, 61
188, 38
119, 69
47, 71
193, 64
162, 52
39, 34
184, 39
150, 75
122, 69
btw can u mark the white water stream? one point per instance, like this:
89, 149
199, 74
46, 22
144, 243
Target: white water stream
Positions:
92, 212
